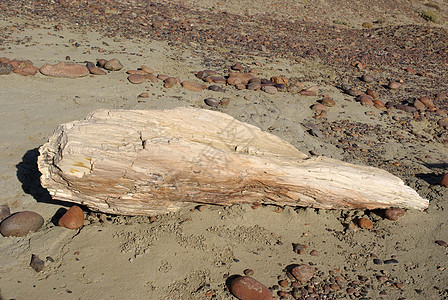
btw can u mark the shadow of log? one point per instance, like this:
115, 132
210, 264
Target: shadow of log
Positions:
29, 175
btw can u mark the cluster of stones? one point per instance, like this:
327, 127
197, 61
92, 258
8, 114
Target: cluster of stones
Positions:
21, 67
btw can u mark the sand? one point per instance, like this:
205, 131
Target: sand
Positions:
191, 254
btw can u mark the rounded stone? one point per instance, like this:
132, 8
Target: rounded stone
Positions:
372, 93
269, 89
193, 86
367, 78
247, 288
97, 71
73, 218
146, 69
280, 80
318, 107
113, 65
254, 86
216, 88
365, 100
64, 70
328, 102
170, 82
211, 102
379, 104
303, 273
419, 105
427, 101
233, 80
101, 62
26, 71
21, 223
394, 213
151, 77
365, 223
244, 77
393, 85
136, 78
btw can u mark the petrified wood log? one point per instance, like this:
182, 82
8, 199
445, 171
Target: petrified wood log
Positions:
144, 162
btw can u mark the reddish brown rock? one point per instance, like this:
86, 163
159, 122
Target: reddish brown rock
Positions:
372, 93
379, 104
136, 78
73, 218
328, 102
247, 288
426, 101
170, 82
144, 95
419, 105
21, 223
4, 60
97, 71
151, 77
303, 273
27, 71
101, 62
365, 100
146, 69
240, 86
442, 243
113, 65
318, 107
308, 93
193, 86
162, 77
36, 263
393, 85
365, 223
237, 67
444, 180
233, 81
280, 80
139, 72
394, 214
244, 77
410, 70
64, 70
205, 74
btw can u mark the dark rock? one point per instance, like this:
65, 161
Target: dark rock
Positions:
36, 263
211, 102
216, 88
5, 68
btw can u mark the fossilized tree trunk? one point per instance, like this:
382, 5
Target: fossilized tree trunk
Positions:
143, 162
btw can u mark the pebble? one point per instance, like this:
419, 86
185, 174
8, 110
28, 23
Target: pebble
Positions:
394, 213
216, 79
244, 77
314, 253
444, 181
298, 248
101, 62
211, 102
21, 223
113, 65
4, 212
97, 71
216, 88
233, 81
283, 283
365, 100
308, 93
193, 86
248, 272
318, 107
151, 77
393, 85
379, 104
26, 71
136, 78
237, 67
5, 68
140, 72
328, 102
365, 223
303, 273
280, 80
170, 82
419, 105
247, 288
73, 218
295, 87
269, 89
390, 261
367, 78
146, 69
281, 87
144, 95
64, 70
442, 243
36, 263
426, 101
372, 93
240, 86
406, 108
205, 73
377, 261
254, 86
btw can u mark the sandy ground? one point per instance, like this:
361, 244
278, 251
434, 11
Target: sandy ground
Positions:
191, 254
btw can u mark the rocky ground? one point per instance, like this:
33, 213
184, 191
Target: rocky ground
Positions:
360, 81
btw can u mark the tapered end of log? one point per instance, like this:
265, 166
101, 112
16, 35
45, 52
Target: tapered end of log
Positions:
144, 162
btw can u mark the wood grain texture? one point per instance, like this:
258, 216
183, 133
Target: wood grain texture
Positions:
146, 162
